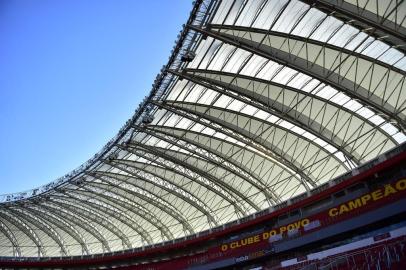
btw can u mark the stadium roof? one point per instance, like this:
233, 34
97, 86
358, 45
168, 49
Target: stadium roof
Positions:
260, 101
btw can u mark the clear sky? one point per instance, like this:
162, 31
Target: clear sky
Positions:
71, 73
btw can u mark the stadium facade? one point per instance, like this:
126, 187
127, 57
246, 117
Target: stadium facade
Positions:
263, 105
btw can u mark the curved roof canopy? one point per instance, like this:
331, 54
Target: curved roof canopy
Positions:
260, 101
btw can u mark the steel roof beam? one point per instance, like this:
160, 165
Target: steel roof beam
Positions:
190, 167
62, 225
95, 217
98, 215
141, 212
78, 220
338, 82
185, 173
135, 172
112, 211
45, 227
12, 238
131, 205
244, 132
224, 163
202, 208
106, 208
26, 229
156, 201
181, 174
250, 139
384, 29
281, 110
307, 40
153, 158
221, 129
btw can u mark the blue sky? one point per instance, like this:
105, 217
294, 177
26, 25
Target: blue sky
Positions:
71, 73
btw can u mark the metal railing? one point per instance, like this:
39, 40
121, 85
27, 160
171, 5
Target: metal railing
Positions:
382, 256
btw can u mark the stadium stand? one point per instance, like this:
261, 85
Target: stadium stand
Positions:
274, 138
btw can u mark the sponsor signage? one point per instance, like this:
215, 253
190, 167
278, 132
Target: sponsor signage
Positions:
265, 235
266, 238
385, 191
251, 256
